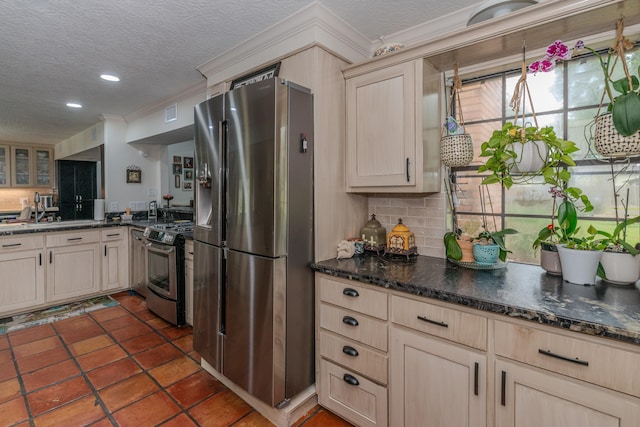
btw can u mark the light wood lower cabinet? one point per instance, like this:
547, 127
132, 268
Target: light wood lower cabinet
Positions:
530, 397
115, 259
453, 366
188, 273
73, 264
22, 272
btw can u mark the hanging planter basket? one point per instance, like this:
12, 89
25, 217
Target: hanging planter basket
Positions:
456, 146
609, 143
456, 150
532, 156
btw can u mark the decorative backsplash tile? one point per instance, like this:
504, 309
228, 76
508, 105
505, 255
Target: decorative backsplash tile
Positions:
426, 217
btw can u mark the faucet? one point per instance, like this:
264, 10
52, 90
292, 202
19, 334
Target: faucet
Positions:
36, 202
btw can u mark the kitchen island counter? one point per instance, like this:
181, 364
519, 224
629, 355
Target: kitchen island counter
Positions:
518, 290
44, 227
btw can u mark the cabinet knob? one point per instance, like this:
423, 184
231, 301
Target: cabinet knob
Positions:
350, 379
350, 292
349, 321
350, 351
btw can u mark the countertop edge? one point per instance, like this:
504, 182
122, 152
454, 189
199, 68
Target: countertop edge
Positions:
511, 311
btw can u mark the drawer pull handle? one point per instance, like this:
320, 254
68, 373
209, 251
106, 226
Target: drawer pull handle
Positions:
350, 379
433, 322
503, 389
12, 245
113, 235
349, 321
476, 368
74, 239
350, 292
561, 357
350, 351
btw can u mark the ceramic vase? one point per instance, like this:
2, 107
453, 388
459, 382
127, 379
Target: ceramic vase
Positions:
620, 268
456, 150
579, 267
608, 142
550, 259
532, 156
486, 254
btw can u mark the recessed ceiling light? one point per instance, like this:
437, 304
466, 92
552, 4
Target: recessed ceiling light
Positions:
74, 105
109, 77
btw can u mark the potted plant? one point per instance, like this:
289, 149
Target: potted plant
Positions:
491, 246
456, 146
580, 258
507, 146
617, 132
620, 260
457, 247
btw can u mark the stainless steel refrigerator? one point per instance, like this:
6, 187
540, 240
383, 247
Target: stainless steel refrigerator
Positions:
253, 289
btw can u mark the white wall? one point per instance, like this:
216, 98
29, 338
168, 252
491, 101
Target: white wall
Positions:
181, 195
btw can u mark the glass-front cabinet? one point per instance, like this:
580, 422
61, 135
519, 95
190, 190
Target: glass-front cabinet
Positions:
30, 166
5, 171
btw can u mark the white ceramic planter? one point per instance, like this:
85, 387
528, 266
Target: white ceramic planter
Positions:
579, 267
621, 268
532, 155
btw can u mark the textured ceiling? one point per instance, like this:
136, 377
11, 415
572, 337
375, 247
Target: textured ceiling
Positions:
53, 51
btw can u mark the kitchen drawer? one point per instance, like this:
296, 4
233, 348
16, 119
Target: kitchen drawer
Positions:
72, 238
350, 295
366, 330
596, 363
114, 233
21, 243
354, 356
188, 250
352, 396
448, 323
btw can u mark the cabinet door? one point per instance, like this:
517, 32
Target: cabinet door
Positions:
21, 171
435, 384
381, 127
529, 397
115, 259
5, 166
43, 167
73, 271
22, 280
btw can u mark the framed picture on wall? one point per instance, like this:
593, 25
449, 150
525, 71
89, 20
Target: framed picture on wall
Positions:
176, 181
187, 186
177, 159
188, 174
134, 176
188, 162
177, 169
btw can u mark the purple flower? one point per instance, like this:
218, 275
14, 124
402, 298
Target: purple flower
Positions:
558, 50
543, 65
579, 45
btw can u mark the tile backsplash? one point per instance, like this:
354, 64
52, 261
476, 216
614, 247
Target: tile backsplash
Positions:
426, 217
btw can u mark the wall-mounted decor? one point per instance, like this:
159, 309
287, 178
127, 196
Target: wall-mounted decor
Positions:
134, 174
187, 186
188, 162
177, 159
188, 174
266, 73
177, 169
176, 181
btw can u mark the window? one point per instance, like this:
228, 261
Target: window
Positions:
567, 98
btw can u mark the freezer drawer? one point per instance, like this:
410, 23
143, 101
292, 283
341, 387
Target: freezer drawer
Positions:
207, 310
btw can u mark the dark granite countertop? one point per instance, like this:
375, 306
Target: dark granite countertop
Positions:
46, 227
518, 290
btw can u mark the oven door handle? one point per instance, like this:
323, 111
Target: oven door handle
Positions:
160, 250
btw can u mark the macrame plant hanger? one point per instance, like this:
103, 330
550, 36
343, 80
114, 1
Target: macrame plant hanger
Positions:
456, 146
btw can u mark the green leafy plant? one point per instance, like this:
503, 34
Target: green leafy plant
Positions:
616, 240
452, 248
495, 237
588, 242
501, 156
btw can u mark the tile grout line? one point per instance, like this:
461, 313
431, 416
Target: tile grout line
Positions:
23, 389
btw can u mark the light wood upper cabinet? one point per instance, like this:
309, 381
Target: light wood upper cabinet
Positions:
5, 166
393, 132
30, 166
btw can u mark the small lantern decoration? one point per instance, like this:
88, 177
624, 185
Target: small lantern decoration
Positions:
401, 241
374, 235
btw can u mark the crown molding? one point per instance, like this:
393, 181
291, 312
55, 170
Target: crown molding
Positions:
311, 25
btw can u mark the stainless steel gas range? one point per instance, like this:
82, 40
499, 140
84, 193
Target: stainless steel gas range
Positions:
165, 275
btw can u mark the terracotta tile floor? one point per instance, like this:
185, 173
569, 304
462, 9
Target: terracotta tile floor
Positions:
118, 366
